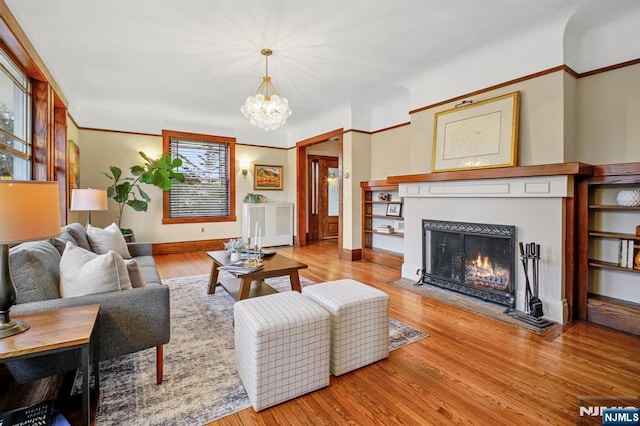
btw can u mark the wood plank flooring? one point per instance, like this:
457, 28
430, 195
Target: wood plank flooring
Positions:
470, 370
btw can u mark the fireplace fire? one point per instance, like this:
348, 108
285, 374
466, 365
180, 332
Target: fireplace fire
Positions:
471, 258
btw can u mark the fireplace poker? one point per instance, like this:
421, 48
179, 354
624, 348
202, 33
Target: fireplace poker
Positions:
535, 302
525, 264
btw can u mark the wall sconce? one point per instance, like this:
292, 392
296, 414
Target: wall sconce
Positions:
244, 167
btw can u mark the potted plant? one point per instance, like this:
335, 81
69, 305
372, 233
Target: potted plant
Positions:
128, 192
234, 247
254, 198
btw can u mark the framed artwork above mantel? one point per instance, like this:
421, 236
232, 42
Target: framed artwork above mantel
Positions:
477, 135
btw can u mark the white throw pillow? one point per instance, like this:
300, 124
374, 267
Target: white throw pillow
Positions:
109, 238
135, 274
83, 272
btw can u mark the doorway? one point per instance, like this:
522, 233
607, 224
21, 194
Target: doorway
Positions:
323, 200
312, 146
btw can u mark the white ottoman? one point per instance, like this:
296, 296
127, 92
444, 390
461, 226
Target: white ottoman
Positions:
359, 322
281, 347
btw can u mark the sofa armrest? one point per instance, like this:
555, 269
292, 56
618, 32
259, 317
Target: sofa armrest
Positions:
128, 321
140, 249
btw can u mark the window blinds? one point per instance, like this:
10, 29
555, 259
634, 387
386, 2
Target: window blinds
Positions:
205, 191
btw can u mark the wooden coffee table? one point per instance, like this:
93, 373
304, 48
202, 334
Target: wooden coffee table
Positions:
252, 284
55, 331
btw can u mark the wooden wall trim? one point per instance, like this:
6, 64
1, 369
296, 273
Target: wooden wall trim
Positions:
40, 119
558, 169
352, 255
610, 68
496, 86
188, 246
408, 123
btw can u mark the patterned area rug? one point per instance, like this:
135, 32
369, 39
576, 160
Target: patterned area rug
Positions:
200, 380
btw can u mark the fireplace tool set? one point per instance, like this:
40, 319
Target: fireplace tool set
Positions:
530, 254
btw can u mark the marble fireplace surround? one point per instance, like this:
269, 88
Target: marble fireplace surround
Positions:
540, 201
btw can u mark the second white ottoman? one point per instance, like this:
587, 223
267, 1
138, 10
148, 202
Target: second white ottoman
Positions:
359, 322
281, 347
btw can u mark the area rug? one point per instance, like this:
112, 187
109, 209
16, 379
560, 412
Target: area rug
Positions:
200, 380
477, 306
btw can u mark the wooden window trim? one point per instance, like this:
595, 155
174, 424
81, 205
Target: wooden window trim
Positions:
166, 136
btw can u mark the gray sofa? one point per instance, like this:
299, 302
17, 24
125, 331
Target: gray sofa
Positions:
128, 321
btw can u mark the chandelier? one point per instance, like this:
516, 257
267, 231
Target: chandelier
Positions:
266, 109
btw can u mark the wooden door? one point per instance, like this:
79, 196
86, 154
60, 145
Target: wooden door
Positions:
324, 199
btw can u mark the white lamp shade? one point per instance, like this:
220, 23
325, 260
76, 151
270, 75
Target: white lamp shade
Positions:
29, 210
88, 199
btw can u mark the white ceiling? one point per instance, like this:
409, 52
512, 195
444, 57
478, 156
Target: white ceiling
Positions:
144, 65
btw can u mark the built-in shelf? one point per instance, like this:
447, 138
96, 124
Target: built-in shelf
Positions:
603, 221
376, 247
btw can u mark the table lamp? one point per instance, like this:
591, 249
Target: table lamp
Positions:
29, 211
89, 200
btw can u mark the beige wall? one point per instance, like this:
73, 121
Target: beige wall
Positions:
608, 115
390, 152
101, 149
541, 124
356, 161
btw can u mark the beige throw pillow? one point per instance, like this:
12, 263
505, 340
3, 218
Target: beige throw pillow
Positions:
109, 238
83, 272
135, 274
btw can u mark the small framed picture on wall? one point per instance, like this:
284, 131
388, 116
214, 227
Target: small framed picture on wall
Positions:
267, 177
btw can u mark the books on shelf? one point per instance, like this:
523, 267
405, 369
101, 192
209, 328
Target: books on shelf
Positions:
626, 253
385, 229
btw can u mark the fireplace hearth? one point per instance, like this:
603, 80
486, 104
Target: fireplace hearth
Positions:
472, 258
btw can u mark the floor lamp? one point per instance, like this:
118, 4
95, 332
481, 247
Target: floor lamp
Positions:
89, 200
29, 210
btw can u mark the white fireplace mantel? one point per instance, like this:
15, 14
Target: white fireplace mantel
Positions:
529, 187
532, 198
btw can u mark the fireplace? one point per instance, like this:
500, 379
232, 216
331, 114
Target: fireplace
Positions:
471, 258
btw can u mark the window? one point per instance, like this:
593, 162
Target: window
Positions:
208, 164
15, 148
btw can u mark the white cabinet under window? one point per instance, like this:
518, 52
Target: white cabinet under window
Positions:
275, 221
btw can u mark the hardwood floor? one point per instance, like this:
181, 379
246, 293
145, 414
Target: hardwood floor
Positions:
470, 370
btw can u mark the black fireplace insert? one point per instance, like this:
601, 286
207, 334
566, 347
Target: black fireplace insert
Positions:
472, 258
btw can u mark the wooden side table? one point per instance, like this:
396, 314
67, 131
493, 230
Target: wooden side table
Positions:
56, 331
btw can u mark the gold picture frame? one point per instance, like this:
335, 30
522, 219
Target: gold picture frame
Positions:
478, 135
267, 177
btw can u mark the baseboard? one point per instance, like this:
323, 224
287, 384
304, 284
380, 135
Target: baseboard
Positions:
188, 246
351, 255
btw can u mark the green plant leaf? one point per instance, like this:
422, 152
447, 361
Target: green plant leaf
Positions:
177, 176
137, 170
144, 195
116, 172
177, 162
145, 156
122, 192
138, 205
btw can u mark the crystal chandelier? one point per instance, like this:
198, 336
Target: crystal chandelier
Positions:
266, 109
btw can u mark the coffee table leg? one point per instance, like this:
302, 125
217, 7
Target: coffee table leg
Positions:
213, 278
295, 281
245, 287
